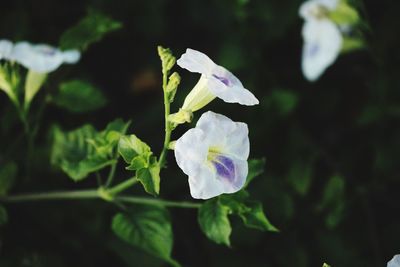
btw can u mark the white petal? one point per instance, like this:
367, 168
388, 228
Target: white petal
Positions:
191, 151
39, 58
221, 131
195, 61
228, 87
394, 262
214, 155
308, 9
42, 58
322, 45
71, 56
6, 47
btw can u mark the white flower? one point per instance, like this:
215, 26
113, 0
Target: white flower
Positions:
42, 58
322, 37
214, 155
394, 262
6, 47
215, 81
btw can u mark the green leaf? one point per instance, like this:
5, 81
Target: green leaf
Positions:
326, 265
84, 150
256, 168
214, 221
281, 101
89, 30
8, 173
3, 215
333, 201
344, 14
351, 44
148, 228
33, 83
150, 179
300, 176
131, 146
254, 217
79, 96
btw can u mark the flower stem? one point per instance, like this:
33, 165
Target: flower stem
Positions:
94, 194
122, 186
111, 174
168, 128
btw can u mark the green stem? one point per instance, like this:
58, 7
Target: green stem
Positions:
122, 186
158, 202
94, 194
111, 174
168, 128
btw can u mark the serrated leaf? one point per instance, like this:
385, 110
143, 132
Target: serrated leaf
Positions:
150, 179
131, 146
148, 228
89, 30
79, 96
8, 173
84, 150
214, 222
256, 168
255, 217
3, 215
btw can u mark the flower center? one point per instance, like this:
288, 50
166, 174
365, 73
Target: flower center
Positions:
222, 79
223, 165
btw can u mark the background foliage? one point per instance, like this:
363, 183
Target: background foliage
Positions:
331, 147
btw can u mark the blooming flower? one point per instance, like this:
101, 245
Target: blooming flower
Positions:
394, 262
322, 37
42, 58
6, 47
214, 155
215, 81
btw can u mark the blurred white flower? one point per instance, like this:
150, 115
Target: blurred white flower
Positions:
322, 37
214, 155
215, 81
394, 262
42, 58
6, 47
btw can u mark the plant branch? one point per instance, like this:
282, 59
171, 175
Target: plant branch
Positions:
94, 194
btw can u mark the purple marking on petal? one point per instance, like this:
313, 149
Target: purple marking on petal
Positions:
225, 167
312, 50
223, 80
48, 51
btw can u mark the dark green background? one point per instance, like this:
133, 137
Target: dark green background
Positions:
346, 124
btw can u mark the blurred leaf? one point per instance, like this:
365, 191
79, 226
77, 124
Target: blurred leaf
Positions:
333, 201
256, 168
255, 217
300, 176
33, 83
214, 221
89, 30
232, 56
281, 101
8, 174
3, 215
79, 96
326, 265
84, 150
344, 14
148, 228
350, 44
